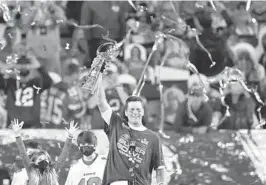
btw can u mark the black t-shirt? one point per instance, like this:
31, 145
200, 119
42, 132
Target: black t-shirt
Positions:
23, 100
145, 157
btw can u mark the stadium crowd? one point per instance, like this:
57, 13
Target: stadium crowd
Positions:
45, 52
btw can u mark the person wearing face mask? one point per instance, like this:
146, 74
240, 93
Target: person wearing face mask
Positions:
23, 82
134, 151
64, 100
40, 168
194, 115
21, 177
89, 169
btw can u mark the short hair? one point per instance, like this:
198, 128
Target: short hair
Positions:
87, 137
32, 144
134, 99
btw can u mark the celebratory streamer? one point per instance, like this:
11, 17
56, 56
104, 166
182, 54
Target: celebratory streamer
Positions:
158, 41
213, 63
212, 4
248, 5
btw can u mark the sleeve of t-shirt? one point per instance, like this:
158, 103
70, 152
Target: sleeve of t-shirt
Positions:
157, 160
111, 120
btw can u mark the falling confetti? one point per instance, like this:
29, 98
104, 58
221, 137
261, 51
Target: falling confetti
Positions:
132, 4
37, 88
10, 36
248, 5
59, 145
212, 4
3, 44
67, 46
64, 121
213, 63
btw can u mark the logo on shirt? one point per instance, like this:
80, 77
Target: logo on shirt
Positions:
137, 153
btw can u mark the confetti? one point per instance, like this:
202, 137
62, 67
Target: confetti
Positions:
59, 145
132, 4
64, 121
248, 5
44, 122
3, 44
37, 88
10, 36
67, 46
212, 4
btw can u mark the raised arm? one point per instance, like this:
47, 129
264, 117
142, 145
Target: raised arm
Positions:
104, 107
17, 127
64, 153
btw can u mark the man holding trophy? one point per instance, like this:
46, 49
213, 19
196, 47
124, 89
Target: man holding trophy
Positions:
135, 151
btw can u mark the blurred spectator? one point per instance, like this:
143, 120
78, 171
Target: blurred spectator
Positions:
110, 15
175, 54
43, 35
64, 101
213, 95
142, 19
246, 27
23, 90
247, 62
214, 43
135, 58
12, 37
73, 13
172, 98
194, 115
241, 109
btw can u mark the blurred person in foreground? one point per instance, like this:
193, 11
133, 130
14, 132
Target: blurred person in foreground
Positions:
89, 169
21, 177
241, 108
43, 33
195, 114
135, 151
24, 89
40, 168
64, 100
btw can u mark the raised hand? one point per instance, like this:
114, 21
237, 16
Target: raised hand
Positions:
72, 129
17, 127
